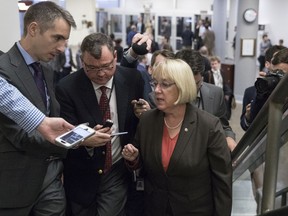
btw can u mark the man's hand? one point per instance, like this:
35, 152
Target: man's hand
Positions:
50, 128
140, 106
140, 39
248, 111
100, 138
231, 143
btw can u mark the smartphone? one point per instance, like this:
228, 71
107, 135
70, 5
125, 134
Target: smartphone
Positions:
118, 133
108, 123
72, 138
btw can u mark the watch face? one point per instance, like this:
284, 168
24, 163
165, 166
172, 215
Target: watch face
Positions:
250, 15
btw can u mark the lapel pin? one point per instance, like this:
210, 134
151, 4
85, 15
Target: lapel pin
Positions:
186, 129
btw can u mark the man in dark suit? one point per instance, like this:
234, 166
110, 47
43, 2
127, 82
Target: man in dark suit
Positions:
217, 77
210, 97
30, 167
90, 189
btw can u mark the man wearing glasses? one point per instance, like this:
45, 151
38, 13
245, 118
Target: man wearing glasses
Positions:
92, 186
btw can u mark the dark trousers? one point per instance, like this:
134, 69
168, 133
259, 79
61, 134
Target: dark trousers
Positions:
51, 200
261, 60
110, 198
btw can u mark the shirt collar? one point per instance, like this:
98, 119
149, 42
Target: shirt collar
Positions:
27, 58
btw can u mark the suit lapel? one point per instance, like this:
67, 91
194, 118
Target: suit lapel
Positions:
122, 94
25, 77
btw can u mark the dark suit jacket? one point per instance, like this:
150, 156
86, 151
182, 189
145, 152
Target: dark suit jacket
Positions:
23, 163
208, 77
214, 103
198, 180
78, 101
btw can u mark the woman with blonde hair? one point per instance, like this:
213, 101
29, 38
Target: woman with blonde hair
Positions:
182, 150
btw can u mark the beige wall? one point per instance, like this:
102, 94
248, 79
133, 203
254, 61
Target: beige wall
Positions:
9, 24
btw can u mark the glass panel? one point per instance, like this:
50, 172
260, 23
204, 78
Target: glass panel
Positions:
164, 26
102, 22
116, 23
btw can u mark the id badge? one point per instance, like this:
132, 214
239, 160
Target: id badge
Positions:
140, 184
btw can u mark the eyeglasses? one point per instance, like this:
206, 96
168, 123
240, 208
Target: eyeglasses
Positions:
162, 85
91, 68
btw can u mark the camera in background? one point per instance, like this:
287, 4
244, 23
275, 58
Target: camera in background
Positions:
265, 85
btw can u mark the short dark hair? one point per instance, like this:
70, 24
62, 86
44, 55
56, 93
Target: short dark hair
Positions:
280, 57
166, 53
194, 59
271, 51
45, 13
93, 44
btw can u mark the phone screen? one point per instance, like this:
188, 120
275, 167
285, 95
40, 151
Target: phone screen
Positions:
75, 135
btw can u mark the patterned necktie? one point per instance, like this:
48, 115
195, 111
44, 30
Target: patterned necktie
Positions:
105, 110
39, 80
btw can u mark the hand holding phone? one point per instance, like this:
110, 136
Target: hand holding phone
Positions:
108, 123
74, 137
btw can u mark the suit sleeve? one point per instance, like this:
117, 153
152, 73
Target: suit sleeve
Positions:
15, 106
128, 60
67, 110
221, 114
220, 164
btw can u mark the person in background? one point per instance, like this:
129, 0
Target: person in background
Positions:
31, 168
204, 52
96, 179
140, 25
118, 47
275, 58
209, 39
132, 32
209, 97
199, 32
250, 92
217, 77
78, 59
281, 42
67, 58
184, 154
62, 64
264, 45
142, 67
187, 37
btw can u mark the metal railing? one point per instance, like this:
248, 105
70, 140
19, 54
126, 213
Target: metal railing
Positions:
261, 143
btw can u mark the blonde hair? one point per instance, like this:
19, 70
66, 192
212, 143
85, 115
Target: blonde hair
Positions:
179, 72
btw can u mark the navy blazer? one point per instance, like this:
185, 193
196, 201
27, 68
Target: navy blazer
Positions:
198, 180
79, 104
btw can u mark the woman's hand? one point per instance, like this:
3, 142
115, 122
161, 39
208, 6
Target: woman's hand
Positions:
130, 152
140, 106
